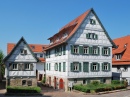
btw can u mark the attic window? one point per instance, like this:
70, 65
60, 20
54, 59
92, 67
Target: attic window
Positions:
51, 42
23, 51
64, 35
92, 21
57, 39
33, 47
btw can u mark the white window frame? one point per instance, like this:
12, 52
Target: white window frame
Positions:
125, 68
22, 51
28, 66
92, 21
65, 35
95, 50
76, 49
106, 66
118, 56
15, 66
95, 66
105, 51
86, 49
56, 67
76, 66
118, 69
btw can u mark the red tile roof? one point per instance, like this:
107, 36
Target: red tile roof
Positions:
35, 48
123, 44
69, 28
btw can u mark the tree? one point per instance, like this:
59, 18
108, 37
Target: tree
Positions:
1, 63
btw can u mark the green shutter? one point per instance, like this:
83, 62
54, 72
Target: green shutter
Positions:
87, 35
79, 66
59, 66
98, 66
109, 66
103, 51
64, 49
96, 36
109, 51
72, 67
91, 66
81, 49
47, 66
102, 66
90, 50
64, 66
85, 67
60, 51
55, 66
98, 50
72, 49
55, 52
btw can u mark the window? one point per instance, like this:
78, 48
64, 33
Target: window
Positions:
106, 66
57, 39
95, 66
92, 21
84, 81
27, 66
85, 67
76, 51
75, 66
64, 49
29, 82
125, 45
91, 36
118, 69
49, 66
36, 55
95, 50
64, 66
86, 50
118, 57
65, 35
51, 42
22, 51
41, 55
105, 51
56, 67
59, 66
125, 68
23, 82
15, 66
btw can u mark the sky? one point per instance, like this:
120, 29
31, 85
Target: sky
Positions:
37, 20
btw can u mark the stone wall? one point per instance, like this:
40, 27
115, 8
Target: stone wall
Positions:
19, 82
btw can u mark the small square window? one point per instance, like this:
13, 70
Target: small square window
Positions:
23, 82
41, 55
92, 21
23, 52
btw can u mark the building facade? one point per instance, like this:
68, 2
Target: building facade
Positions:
23, 67
79, 53
121, 59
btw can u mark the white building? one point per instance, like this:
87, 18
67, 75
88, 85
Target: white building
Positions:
79, 53
121, 59
23, 67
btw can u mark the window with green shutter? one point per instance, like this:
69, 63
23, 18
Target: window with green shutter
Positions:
95, 50
64, 49
72, 67
64, 66
95, 67
106, 51
49, 66
85, 67
81, 49
85, 50
56, 66
76, 67
92, 36
106, 66
60, 51
74, 49
59, 66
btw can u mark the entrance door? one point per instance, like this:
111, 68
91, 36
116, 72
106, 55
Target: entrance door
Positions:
61, 84
49, 81
54, 82
40, 77
37, 74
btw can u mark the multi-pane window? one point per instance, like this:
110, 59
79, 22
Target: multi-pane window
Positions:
15, 66
76, 66
27, 66
23, 51
92, 21
41, 55
92, 36
56, 66
76, 51
118, 69
86, 50
105, 51
118, 56
95, 50
95, 66
106, 66
125, 68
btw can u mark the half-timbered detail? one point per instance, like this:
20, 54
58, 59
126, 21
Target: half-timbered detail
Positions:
79, 53
121, 59
23, 67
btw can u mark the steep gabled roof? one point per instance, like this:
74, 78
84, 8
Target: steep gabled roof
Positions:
15, 46
123, 47
71, 28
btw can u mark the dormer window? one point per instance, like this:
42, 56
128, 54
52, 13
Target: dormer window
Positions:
57, 39
92, 21
64, 35
118, 57
51, 42
33, 47
23, 51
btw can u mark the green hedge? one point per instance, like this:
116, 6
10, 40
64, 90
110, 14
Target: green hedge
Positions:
99, 87
23, 89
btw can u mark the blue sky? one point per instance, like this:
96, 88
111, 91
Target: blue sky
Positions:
37, 20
